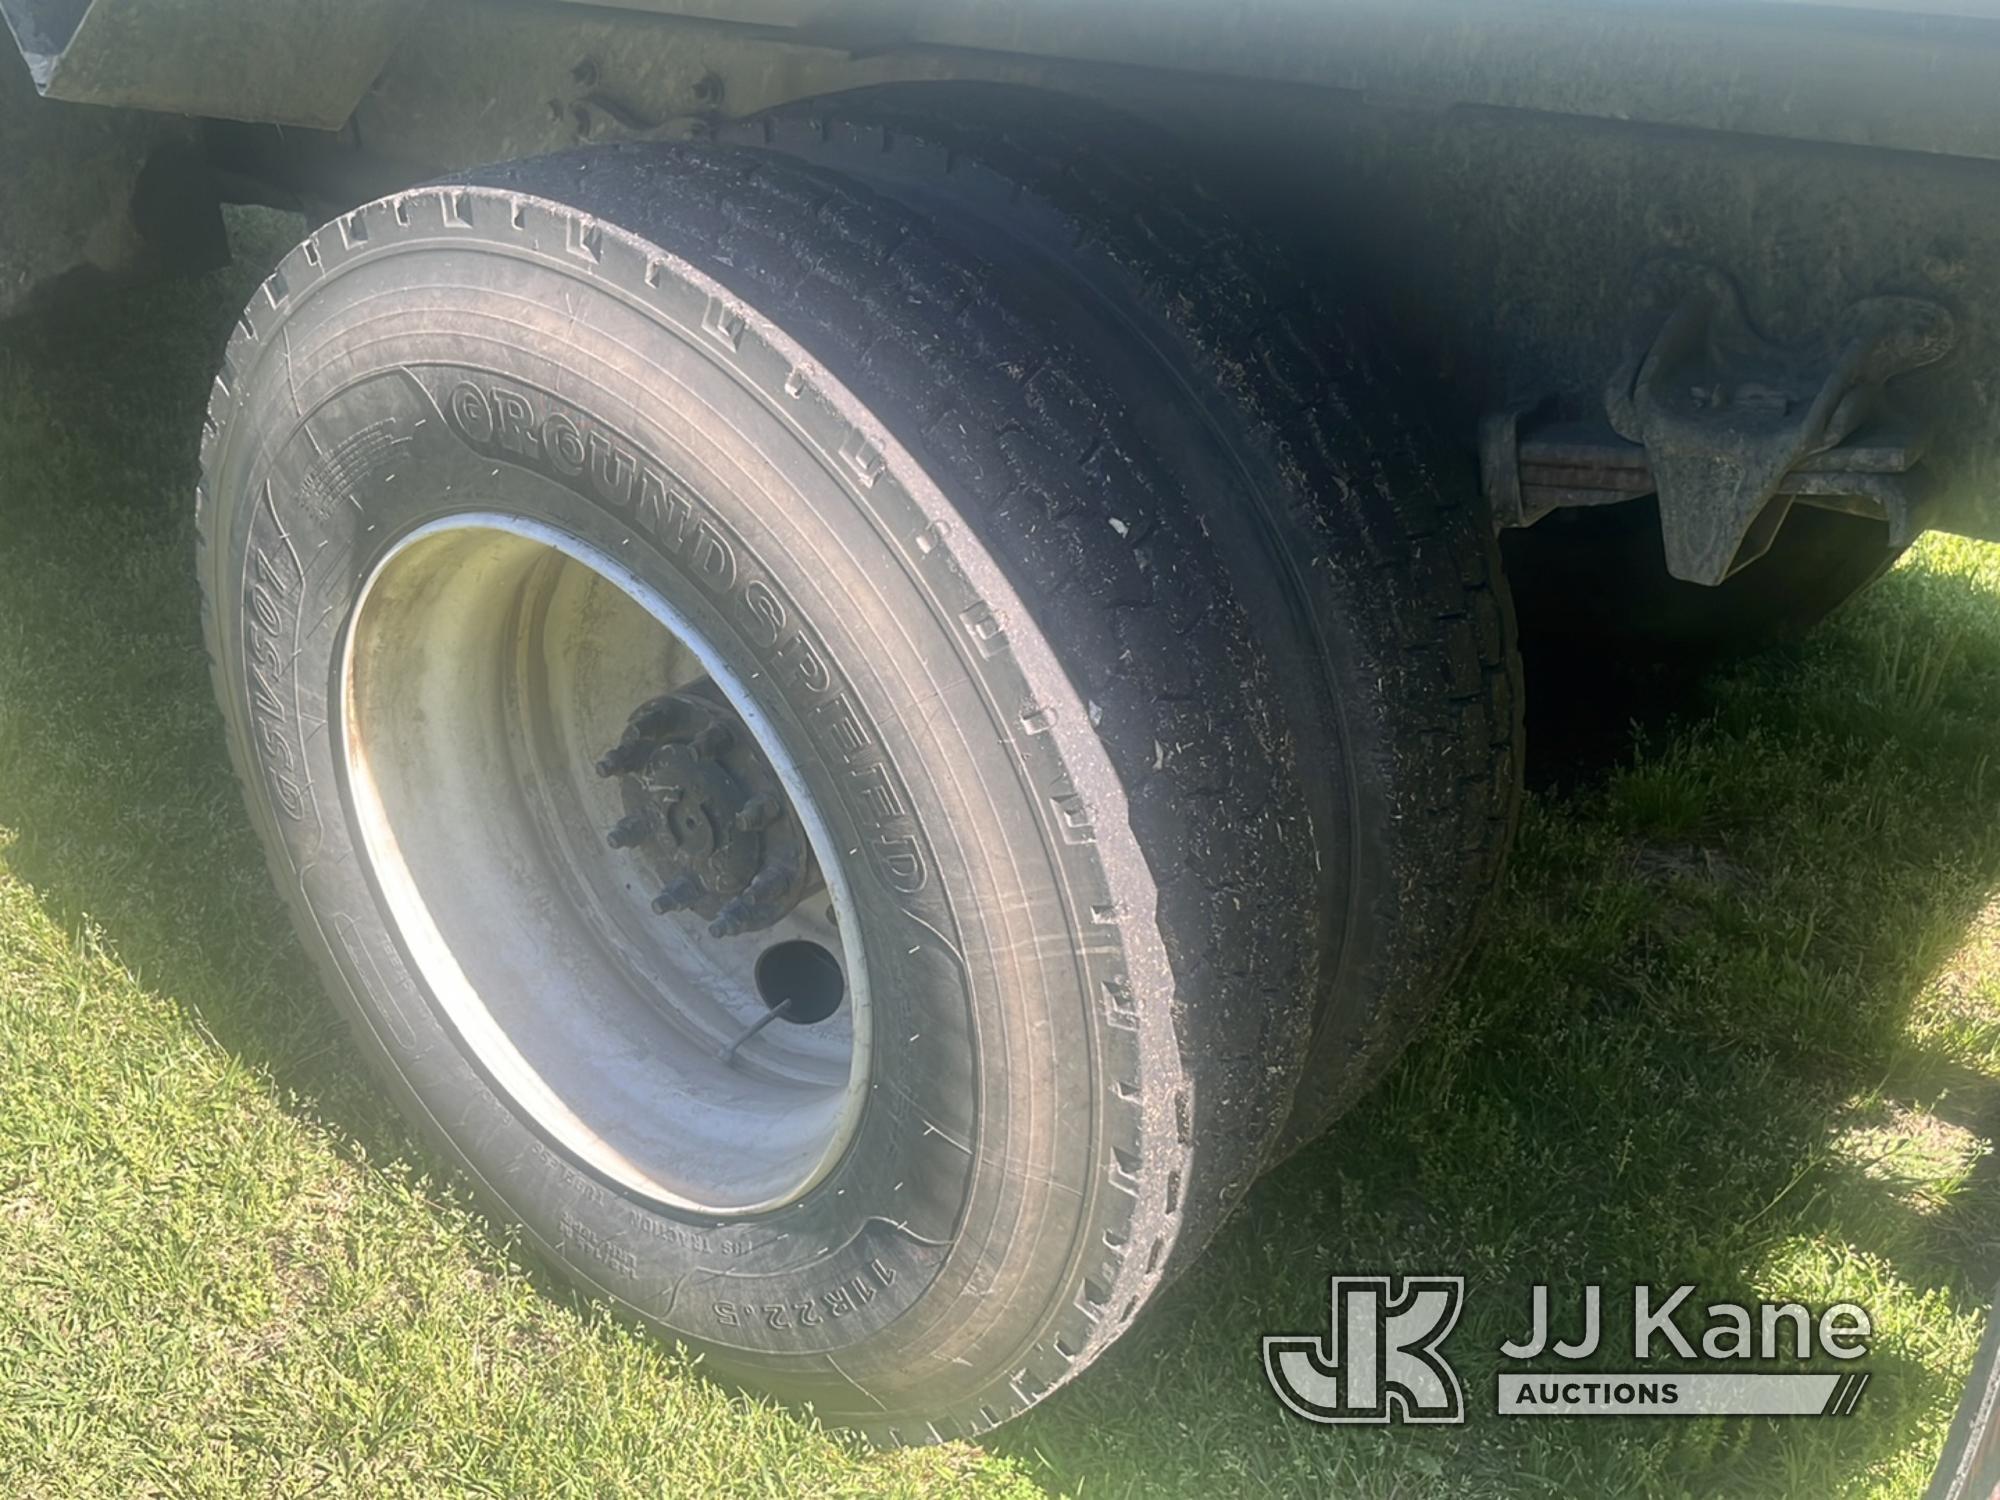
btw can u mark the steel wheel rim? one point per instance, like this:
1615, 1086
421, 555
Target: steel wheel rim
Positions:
485, 657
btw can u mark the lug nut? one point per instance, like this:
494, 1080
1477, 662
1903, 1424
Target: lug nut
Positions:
633, 828
739, 914
683, 890
771, 880
758, 813
733, 918
657, 717
626, 755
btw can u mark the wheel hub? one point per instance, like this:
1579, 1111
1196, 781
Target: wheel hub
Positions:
707, 814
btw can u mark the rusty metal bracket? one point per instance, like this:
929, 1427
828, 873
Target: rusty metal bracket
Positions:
1726, 417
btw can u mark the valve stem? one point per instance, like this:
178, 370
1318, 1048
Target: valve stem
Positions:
729, 1052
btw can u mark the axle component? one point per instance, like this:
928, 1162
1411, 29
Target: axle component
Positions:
707, 813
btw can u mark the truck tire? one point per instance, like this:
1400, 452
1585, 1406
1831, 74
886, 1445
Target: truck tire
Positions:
1594, 593
1276, 406
716, 501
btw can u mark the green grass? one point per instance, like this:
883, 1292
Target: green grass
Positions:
1737, 1021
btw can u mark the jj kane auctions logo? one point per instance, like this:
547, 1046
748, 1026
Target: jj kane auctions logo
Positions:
1382, 1358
